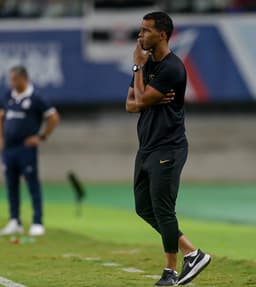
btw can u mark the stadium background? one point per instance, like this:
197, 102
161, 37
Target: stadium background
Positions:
79, 55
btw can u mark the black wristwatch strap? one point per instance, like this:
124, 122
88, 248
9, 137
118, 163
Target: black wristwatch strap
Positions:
43, 137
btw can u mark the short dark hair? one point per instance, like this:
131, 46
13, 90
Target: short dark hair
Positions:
163, 22
20, 70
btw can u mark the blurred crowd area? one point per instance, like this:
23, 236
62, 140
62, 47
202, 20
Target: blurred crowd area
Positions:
79, 8
211, 6
40, 8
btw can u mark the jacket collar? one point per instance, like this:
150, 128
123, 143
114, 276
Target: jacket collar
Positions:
27, 93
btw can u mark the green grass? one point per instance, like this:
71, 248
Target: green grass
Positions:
43, 264
109, 229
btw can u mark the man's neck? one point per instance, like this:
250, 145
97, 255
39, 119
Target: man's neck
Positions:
160, 53
21, 90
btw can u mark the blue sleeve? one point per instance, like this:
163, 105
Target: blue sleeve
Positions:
44, 106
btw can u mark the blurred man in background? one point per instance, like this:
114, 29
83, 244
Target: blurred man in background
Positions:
163, 144
21, 116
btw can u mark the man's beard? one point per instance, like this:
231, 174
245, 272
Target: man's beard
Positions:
146, 48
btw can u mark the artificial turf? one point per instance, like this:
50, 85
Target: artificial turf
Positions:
109, 231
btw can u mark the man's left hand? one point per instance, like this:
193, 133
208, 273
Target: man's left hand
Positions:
32, 141
140, 57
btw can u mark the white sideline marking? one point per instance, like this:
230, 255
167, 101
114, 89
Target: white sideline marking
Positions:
111, 264
156, 277
73, 255
131, 251
91, 259
8, 283
132, 270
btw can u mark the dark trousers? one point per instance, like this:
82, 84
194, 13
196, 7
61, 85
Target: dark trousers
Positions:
22, 161
156, 185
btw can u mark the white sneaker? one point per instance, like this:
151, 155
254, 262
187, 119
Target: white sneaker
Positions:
36, 230
12, 227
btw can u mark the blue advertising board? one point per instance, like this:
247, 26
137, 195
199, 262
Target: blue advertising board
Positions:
63, 70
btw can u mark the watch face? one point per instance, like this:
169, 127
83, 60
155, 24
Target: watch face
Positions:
135, 68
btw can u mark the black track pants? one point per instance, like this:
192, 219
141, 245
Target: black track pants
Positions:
156, 185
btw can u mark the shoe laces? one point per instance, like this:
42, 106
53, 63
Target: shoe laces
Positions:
166, 274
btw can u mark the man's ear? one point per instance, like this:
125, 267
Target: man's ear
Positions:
163, 35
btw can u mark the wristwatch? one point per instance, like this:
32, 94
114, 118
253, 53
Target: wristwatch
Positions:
43, 137
136, 68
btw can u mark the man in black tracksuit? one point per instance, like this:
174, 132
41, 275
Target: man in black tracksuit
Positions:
157, 92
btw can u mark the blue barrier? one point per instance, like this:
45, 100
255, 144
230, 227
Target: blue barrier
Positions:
220, 67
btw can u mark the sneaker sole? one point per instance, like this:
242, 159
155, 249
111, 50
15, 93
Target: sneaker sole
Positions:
36, 235
196, 270
176, 284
